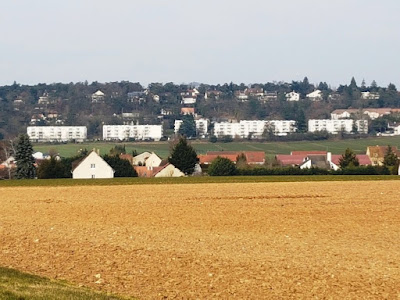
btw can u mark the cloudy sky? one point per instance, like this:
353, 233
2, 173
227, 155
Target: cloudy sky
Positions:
210, 41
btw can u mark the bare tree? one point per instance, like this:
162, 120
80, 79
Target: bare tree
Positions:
8, 151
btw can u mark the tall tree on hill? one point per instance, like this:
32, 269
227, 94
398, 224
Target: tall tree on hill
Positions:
24, 158
183, 156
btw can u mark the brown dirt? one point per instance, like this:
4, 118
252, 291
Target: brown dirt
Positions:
260, 240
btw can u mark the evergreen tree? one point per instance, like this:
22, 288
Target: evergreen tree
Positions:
53, 168
348, 159
390, 159
188, 126
222, 166
24, 158
183, 156
122, 167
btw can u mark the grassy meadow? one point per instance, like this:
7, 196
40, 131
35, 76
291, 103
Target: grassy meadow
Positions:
15, 285
270, 148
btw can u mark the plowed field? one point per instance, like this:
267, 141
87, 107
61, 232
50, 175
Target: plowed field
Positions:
253, 240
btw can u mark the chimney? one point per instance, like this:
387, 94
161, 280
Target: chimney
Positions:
329, 156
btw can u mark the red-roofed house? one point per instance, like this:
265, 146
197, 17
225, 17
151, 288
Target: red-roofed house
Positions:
252, 157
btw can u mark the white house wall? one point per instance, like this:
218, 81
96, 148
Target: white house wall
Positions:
93, 167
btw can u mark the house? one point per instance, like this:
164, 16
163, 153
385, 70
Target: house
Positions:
188, 100
139, 160
255, 92
363, 159
292, 96
242, 96
319, 159
369, 96
92, 167
252, 157
377, 154
372, 113
136, 96
153, 160
395, 127
213, 93
297, 158
316, 161
156, 98
98, 97
169, 170
315, 96
270, 96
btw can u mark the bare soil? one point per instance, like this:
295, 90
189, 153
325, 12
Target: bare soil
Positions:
305, 240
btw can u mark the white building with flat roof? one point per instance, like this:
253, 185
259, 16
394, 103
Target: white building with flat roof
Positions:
201, 126
137, 132
57, 133
336, 126
254, 129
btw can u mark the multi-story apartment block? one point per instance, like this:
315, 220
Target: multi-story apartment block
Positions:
254, 129
201, 126
57, 133
336, 126
137, 132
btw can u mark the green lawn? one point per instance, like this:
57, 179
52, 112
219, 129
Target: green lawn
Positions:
15, 285
192, 180
270, 148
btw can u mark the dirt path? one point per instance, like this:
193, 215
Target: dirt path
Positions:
204, 241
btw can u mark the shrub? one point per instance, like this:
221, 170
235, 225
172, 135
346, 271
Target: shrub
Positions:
222, 166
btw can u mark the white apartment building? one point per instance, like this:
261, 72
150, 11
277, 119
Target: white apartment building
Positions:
57, 133
201, 126
335, 126
255, 129
137, 132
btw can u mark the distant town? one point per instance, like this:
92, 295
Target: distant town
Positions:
126, 111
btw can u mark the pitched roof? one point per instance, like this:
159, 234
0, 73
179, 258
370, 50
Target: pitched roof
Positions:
306, 153
290, 160
187, 110
363, 159
380, 151
252, 157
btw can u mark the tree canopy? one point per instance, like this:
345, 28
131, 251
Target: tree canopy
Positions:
183, 156
348, 159
25, 161
188, 126
222, 166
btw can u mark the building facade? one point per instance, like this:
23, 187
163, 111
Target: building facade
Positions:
92, 167
336, 126
137, 132
254, 129
57, 133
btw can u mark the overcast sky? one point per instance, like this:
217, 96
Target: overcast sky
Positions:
210, 41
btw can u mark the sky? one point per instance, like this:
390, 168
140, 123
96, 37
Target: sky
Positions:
208, 41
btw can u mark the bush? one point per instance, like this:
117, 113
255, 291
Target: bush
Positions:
213, 139
122, 167
222, 166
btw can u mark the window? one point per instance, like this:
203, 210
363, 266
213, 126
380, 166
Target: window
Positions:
93, 177
93, 166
